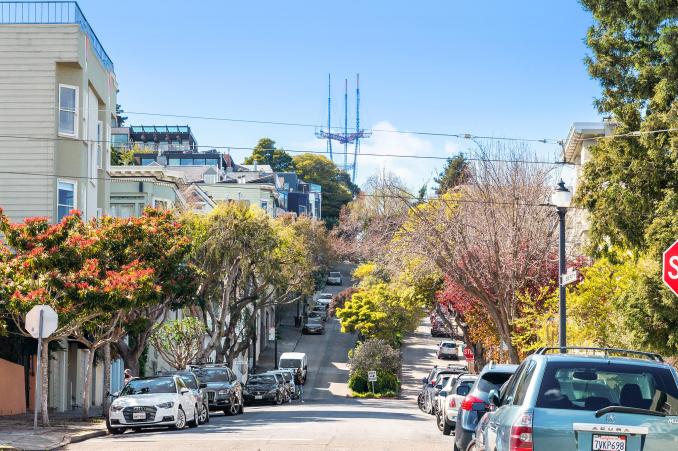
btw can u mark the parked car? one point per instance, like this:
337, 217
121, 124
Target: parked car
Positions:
153, 402
325, 297
477, 442
475, 404
198, 389
448, 349
439, 328
289, 379
262, 388
313, 326
436, 380
610, 399
294, 361
334, 278
224, 390
319, 310
451, 397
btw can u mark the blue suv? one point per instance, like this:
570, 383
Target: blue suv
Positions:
586, 399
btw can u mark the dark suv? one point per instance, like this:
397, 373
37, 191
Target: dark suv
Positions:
476, 403
224, 391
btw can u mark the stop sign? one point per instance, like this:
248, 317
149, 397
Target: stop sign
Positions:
468, 353
670, 267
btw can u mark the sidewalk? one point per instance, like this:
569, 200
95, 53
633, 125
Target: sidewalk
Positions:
16, 431
288, 337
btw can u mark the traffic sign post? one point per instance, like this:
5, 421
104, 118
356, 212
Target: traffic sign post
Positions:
372, 377
41, 322
670, 267
468, 353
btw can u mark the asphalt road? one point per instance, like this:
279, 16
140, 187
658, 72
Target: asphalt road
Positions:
326, 420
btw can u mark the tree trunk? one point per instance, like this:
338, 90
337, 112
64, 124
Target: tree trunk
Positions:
87, 386
44, 362
107, 378
130, 356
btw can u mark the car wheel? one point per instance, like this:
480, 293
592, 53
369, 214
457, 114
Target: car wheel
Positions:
203, 414
180, 423
472, 446
196, 418
234, 408
440, 421
278, 399
447, 428
112, 430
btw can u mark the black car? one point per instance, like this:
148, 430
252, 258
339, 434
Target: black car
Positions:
224, 391
198, 389
476, 404
313, 326
264, 388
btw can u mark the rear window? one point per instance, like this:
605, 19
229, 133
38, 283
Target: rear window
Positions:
492, 381
335, 274
290, 363
449, 345
596, 385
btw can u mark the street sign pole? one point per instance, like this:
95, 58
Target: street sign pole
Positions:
38, 378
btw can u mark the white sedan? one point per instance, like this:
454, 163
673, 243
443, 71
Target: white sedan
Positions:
153, 402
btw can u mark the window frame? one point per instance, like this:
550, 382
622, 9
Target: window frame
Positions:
76, 111
520, 390
72, 182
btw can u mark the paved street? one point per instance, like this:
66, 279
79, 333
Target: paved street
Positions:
327, 419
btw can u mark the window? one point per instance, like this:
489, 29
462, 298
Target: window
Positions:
123, 210
65, 198
119, 140
68, 110
147, 160
100, 145
173, 161
523, 384
199, 161
161, 204
210, 178
264, 205
187, 161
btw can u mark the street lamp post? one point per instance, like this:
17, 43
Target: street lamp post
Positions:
275, 334
561, 198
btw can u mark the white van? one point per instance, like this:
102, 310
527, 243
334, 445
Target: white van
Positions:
294, 361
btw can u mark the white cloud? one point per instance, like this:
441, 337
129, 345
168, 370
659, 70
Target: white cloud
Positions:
414, 172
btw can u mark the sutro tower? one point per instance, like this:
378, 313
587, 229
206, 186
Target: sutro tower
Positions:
344, 137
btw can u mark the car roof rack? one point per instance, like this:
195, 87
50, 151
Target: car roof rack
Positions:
606, 352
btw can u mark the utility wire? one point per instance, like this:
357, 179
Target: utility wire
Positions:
20, 138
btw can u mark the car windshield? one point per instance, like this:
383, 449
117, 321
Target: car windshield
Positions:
189, 380
335, 274
449, 345
492, 381
325, 296
213, 375
596, 385
263, 380
290, 363
149, 386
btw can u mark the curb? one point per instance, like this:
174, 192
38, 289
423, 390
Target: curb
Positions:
87, 435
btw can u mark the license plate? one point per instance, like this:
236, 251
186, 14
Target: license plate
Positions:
139, 415
258, 397
609, 443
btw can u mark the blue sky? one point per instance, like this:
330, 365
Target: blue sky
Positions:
482, 67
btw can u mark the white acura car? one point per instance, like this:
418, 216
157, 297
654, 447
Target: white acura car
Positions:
153, 402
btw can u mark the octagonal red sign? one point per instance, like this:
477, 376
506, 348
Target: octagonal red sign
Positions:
670, 267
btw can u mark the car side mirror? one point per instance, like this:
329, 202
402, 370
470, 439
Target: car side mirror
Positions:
183, 391
203, 385
493, 397
443, 394
463, 390
116, 394
438, 387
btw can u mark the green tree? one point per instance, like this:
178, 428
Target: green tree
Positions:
635, 57
336, 187
456, 172
180, 341
265, 152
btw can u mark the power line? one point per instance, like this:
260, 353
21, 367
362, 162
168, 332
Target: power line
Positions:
20, 138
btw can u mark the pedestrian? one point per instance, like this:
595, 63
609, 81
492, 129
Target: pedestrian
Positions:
128, 376
299, 382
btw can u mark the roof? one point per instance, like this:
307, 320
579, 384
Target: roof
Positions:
160, 129
155, 171
293, 355
582, 131
192, 173
499, 368
257, 167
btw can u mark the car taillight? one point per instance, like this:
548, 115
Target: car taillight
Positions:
521, 433
467, 403
453, 403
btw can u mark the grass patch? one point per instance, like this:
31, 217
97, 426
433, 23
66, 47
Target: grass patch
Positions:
370, 395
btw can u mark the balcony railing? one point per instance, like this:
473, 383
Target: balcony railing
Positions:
53, 13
